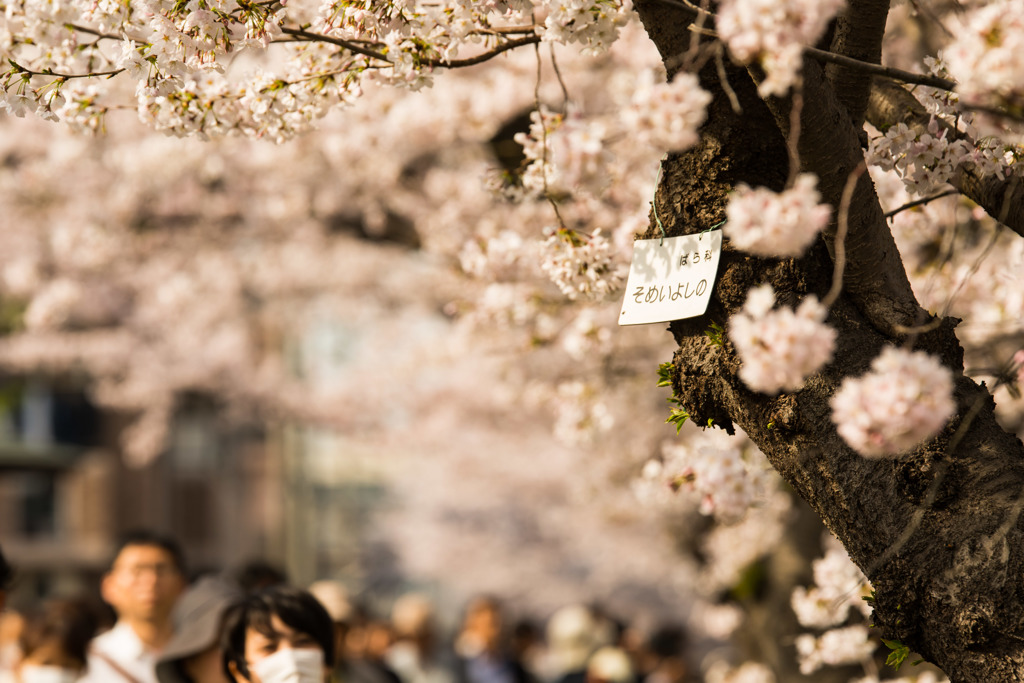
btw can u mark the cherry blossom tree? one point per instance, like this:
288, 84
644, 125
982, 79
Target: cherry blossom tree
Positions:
829, 340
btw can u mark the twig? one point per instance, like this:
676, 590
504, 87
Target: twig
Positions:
796, 108
93, 32
470, 61
876, 69
920, 202
879, 70
66, 77
347, 44
723, 78
561, 81
544, 140
843, 221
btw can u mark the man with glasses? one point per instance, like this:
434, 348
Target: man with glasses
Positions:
144, 581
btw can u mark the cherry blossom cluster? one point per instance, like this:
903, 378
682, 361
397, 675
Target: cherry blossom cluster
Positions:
986, 56
748, 672
840, 646
569, 153
183, 57
727, 474
906, 398
774, 33
923, 677
926, 161
565, 154
780, 347
667, 115
776, 224
594, 24
839, 586
582, 266
580, 414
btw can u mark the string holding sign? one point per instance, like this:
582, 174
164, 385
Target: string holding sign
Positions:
671, 278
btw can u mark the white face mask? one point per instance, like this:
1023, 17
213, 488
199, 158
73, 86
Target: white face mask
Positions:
287, 665
47, 674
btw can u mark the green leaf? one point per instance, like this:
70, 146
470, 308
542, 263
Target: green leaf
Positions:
714, 334
899, 653
678, 417
665, 374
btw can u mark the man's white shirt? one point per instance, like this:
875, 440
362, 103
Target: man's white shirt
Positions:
123, 647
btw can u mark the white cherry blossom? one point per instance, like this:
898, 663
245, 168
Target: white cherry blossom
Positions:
906, 398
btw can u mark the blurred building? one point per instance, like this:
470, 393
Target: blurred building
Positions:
66, 494
230, 493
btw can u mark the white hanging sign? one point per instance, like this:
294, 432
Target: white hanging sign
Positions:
671, 278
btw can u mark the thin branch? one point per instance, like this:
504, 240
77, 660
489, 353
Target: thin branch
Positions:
723, 79
506, 30
561, 81
544, 139
687, 5
875, 69
347, 44
879, 70
92, 32
920, 202
66, 77
470, 61
793, 139
843, 225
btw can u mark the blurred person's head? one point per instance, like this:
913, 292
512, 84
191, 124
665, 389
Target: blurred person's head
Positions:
193, 654
571, 637
667, 646
145, 578
609, 665
481, 627
6, 574
258, 575
280, 634
333, 596
412, 617
54, 641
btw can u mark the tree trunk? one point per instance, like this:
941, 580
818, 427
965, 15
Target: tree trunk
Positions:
937, 531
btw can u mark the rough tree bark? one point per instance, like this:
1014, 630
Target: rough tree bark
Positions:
938, 531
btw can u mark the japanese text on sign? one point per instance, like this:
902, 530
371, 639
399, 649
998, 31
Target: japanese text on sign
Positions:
671, 278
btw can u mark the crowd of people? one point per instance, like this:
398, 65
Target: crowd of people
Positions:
255, 628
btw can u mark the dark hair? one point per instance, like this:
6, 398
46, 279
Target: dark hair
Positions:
298, 610
6, 572
144, 537
257, 575
72, 623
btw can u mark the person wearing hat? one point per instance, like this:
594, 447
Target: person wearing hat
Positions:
193, 654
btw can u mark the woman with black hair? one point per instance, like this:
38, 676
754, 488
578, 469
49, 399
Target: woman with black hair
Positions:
54, 641
279, 635
5, 578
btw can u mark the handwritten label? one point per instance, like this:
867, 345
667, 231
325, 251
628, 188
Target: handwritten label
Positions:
671, 278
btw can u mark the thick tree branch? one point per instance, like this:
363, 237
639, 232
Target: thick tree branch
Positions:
939, 530
1003, 199
829, 147
858, 34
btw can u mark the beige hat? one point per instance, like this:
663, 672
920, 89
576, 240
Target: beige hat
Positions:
333, 596
571, 635
610, 664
